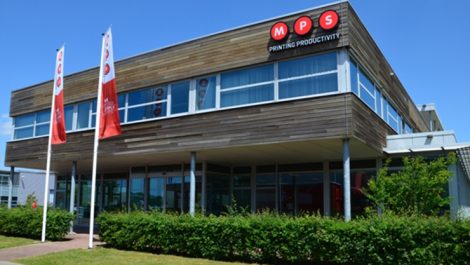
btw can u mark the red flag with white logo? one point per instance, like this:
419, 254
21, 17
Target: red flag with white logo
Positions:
109, 118
58, 121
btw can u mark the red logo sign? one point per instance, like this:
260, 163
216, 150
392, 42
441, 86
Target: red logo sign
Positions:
59, 81
106, 69
303, 25
279, 31
328, 20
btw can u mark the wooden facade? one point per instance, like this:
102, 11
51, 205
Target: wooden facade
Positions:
320, 118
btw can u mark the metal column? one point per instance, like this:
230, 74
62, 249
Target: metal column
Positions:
72, 191
10, 186
192, 185
346, 180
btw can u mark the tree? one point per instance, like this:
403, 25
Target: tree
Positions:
419, 188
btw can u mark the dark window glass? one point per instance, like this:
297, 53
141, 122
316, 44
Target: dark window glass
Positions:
354, 83
23, 133
265, 192
42, 129
121, 100
146, 112
43, 116
179, 97
68, 117
24, 120
147, 95
83, 115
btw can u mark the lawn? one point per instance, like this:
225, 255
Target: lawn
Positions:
9, 241
114, 257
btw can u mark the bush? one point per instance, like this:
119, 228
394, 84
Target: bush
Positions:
419, 188
271, 238
27, 222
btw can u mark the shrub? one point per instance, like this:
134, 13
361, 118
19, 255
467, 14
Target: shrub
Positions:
419, 188
269, 238
27, 222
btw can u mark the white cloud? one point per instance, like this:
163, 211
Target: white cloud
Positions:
6, 127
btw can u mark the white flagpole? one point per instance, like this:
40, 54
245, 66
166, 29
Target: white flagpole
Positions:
95, 149
48, 165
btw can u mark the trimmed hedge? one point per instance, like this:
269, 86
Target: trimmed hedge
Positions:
27, 222
288, 240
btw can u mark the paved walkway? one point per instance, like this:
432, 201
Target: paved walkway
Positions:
74, 241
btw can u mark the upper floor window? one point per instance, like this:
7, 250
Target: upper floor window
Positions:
300, 77
306, 76
247, 86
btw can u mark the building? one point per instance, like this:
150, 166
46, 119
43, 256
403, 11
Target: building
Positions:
25, 183
271, 115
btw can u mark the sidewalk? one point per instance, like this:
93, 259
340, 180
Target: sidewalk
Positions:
75, 241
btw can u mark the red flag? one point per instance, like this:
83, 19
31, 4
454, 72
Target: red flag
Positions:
58, 122
109, 119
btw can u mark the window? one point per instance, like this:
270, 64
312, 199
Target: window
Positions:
367, 91
179, 97
147, 103
265, 83
307, 76
83, 115
247, 86
205, 93
265, 192
242, 187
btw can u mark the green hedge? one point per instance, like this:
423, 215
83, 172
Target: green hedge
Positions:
287, 240
27, 222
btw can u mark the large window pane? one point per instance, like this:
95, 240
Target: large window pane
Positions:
179, 97
24, 120
265, 192
23, 133
247, 95
121, 100
205, 93
146, 112
137, 188
68, 117
308, 86
43, 116
367, 98
242, 191
174, 195
156, 193
308, 65
147, 95
354, 83
83, 115
247, 76
218, 192
42, 129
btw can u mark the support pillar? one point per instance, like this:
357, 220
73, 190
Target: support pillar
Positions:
346, 180
10, 186
192, 185
326, 189
204, 187
72, 191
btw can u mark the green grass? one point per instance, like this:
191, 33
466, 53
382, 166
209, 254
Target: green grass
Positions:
108, 256
9, 241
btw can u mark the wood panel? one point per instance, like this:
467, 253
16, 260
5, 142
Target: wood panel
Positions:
367, 126
232, 49
368, 55
309, 119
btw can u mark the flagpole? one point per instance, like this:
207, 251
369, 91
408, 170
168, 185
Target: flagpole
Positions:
48, 167
95, 150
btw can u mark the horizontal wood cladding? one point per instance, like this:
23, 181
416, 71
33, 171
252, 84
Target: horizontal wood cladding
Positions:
369, 56
368, 127
229, 50
309, 119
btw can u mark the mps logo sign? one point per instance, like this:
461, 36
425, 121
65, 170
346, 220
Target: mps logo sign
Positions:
303, 27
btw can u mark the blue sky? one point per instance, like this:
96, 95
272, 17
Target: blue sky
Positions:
426, 42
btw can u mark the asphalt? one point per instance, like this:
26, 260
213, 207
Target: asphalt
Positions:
72, 241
